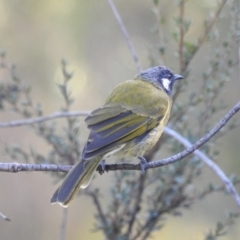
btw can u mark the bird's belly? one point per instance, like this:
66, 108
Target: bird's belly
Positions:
138, 148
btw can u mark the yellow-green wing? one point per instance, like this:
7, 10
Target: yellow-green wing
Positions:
123, 119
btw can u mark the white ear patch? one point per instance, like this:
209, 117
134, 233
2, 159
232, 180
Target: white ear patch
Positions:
166, 83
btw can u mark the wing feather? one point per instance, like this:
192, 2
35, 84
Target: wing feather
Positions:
102, 114
99, 141
103, 145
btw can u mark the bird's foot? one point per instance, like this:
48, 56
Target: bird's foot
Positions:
143, 163
102, 167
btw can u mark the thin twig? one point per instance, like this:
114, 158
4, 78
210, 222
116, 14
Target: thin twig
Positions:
181, 40
200, 43
227, 182
63, 228
137, 203
100, 211
4, 217
207, 30
31, 121
210, 25
151, 221
25, 167
161, 36
126, 35
182, 62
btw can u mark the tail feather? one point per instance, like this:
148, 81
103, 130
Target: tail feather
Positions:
78, 177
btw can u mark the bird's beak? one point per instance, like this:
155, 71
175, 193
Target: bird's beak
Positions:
177, 77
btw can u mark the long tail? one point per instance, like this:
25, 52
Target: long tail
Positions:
78, 177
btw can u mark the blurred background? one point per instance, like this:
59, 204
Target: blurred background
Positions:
36, 35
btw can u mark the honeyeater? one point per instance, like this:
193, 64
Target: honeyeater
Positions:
129, 123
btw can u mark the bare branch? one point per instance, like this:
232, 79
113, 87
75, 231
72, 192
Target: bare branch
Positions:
210, 25
4, 217
126, 35
227, 182
202, 39
31, 121
25, 167
200, 142
137, 204
16, 167
181, 40
104, 221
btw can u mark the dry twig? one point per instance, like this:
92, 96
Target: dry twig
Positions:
126, 35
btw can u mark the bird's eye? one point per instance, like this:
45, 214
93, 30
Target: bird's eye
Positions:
169, 76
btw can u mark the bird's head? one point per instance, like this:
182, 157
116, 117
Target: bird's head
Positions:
160, 77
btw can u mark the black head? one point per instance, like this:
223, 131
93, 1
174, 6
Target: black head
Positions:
160, 77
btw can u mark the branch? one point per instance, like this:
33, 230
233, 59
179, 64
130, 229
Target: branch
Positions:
104, 221
137, 204
16, 167
227, 182
200, 142
4, 217
125, 33
210, 25
31, 121
26, 167
207, 30
181, 40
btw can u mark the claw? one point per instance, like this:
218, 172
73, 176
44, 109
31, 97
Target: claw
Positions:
143, 163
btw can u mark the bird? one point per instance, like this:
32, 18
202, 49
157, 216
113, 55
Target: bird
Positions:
129, 123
